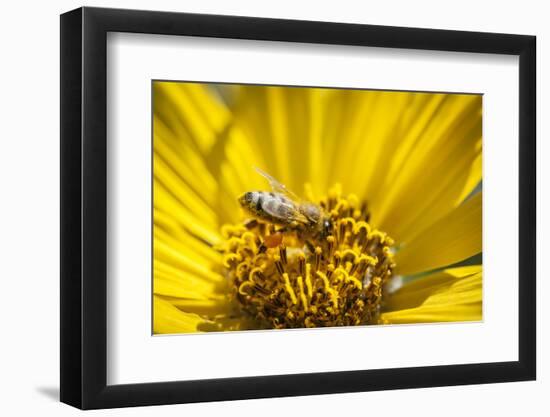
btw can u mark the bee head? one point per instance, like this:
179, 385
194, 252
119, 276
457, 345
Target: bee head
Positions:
246, 199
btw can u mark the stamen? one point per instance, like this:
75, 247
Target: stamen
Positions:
243, 286
301, 263
330, 270
302, 293
342, 232
242, 268
279, 265
324, 278
362, 230
337, 258
289, 289
348, 266
308, 281
257, 272
331, 242
231, 259
341, 207
282, 253
261, 289
318, 253
356, 265
235, 242
349, 255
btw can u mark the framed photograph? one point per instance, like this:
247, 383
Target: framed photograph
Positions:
256, 208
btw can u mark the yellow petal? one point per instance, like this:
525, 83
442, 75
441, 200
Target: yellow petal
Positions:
236, 174
168, 319
184, 194
431, 169
416, 292
168, 228
317, 121
184, 285
456, 187
242, 158
166, 202
183, 261
187, 163
450, 295
186, 248
454, 238
371, 142
435, 314
283, 126
191, 112
279, 126
205, 308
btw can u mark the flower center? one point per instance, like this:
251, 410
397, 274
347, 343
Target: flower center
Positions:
288, 278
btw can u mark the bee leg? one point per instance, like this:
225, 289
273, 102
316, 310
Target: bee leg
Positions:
310, 246
251, 224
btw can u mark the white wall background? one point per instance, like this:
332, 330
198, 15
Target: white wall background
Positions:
29, 226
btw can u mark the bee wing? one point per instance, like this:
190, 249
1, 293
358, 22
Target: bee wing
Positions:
277, 186
283, 210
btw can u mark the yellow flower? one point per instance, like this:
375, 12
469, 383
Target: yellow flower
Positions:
396, 173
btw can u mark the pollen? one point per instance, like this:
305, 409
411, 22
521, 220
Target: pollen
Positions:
322, 281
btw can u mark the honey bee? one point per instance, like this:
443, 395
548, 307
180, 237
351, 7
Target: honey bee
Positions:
282, 207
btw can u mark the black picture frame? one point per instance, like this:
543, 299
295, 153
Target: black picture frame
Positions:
84, 207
